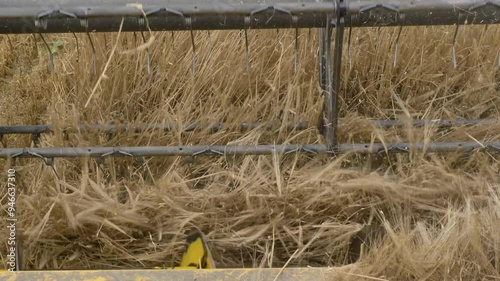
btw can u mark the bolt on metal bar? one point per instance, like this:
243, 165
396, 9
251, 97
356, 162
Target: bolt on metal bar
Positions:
39, 16
311, 149
299, 126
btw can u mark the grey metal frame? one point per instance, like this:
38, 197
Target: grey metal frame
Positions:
192, 126
47, 16
234, 150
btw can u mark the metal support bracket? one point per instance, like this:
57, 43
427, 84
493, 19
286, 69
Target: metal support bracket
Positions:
330, 78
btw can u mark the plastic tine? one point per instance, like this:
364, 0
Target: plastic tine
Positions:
51, 55
194, 51
77, 48
296, 61
349, 54
10, 42
148, 59
106, 40
173, 40
396, 46
295, 20
94, 55
453, 51
247, 59
209, 41
498, 58
247, 51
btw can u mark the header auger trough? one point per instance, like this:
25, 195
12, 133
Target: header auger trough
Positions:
334, 20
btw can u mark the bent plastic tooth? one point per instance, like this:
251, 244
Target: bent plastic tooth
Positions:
51, 55
188, 24
148, 61
77, 48
296, 59
194, 52
349, 55
396, 46
498, 58
453, 51
209, 41
247, 59
10, 42
94, 56
247, 55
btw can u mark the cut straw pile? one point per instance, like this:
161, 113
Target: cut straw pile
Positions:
440, 213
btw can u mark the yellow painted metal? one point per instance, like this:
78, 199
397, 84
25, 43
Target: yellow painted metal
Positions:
253, 274
197, 253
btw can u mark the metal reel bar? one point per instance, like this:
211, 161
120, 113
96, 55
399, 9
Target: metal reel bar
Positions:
329, 79
275, 14
311, 149
192, 126
39, 16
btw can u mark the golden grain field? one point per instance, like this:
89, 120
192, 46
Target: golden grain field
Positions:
440, 212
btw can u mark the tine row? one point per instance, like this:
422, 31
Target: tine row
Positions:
193, 151
218, 126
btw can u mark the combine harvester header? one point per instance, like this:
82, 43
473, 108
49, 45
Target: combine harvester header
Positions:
85, 16
88, 16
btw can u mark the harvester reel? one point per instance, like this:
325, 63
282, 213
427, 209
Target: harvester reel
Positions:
329, 17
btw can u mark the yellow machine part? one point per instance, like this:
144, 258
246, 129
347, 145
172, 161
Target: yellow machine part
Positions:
197, 254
